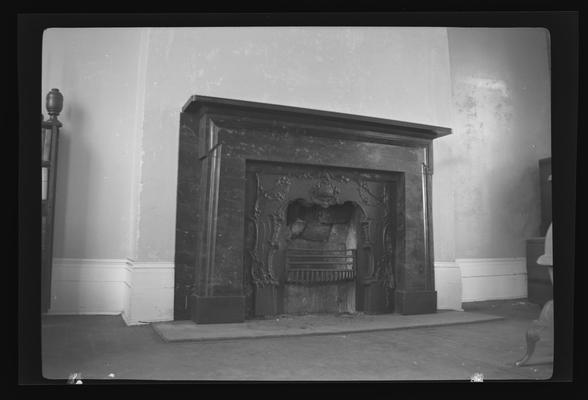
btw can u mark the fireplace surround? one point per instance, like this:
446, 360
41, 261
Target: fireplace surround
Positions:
286, 210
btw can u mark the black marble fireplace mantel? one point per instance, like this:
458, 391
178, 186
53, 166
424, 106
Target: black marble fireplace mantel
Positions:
291, 210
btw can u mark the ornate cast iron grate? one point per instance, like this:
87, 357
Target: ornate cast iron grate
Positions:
306, 266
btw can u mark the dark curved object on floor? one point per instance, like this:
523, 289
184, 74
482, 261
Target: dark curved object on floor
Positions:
535, 332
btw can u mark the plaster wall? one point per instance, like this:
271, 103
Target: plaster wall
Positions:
96, 70
501, 120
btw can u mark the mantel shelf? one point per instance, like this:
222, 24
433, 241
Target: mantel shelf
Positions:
363, 125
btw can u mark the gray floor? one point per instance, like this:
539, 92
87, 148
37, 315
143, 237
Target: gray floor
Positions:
102, 347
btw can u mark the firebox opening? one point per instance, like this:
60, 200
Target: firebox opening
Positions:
320, 257
312, 226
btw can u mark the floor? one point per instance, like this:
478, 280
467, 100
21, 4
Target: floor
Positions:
103, 347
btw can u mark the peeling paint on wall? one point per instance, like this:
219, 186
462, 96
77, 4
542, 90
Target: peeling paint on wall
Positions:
487, 83
500, 89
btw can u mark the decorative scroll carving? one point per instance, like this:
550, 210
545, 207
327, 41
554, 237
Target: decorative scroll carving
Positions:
324, 193
259, 274
256, 262
385, 272
382, 270
365, 194
277, 219
278, 192
365, 231
367, 246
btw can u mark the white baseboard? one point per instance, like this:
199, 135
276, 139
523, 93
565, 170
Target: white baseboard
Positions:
141, 292
87, 286
84, 313
493, 278
448, 284
150, 292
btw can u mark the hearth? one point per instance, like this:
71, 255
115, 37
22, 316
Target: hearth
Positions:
290, 210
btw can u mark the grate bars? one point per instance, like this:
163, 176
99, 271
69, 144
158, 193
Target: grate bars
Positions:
306, 266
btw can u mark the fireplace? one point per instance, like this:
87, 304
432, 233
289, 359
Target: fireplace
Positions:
320, 239
284, 210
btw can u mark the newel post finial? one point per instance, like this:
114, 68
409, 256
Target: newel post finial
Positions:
54, 103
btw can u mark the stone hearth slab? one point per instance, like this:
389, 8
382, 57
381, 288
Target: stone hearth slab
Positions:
180, 331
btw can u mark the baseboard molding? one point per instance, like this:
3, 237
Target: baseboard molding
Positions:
56, 313
87, 286
493, 278
448, 284
141, 292
149, 292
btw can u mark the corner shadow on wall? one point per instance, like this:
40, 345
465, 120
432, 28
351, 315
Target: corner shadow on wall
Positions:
74, 158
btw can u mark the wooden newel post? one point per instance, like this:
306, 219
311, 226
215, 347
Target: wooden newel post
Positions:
49, 145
